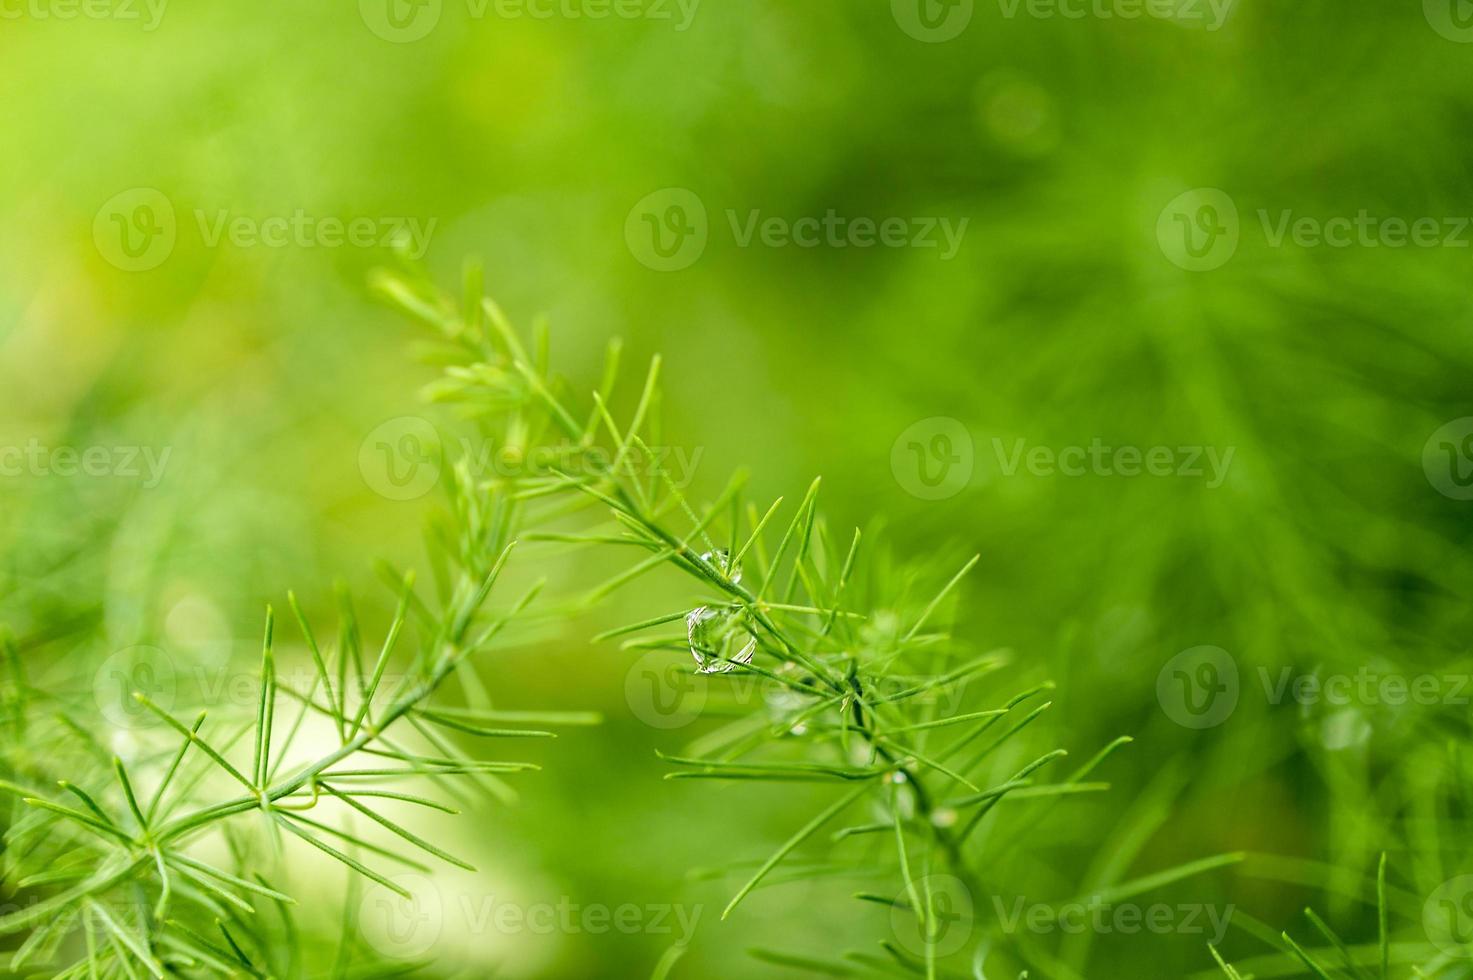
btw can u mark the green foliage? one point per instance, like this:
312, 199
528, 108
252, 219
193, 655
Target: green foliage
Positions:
129, 878
847, 680
849, 687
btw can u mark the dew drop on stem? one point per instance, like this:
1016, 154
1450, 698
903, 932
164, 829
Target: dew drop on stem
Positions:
721, 636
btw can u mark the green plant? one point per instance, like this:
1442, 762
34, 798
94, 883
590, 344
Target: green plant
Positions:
1336, 959
855, 681
1408, 914
114, 856
853, 676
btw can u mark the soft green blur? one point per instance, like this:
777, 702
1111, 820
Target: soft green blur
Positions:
1060, 319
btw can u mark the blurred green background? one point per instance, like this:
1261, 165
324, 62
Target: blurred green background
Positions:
1068, 313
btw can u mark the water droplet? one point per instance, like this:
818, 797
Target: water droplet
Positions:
719, 639
944, 817
720, 559
721, 636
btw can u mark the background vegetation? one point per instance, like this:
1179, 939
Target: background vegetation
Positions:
1064, 317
